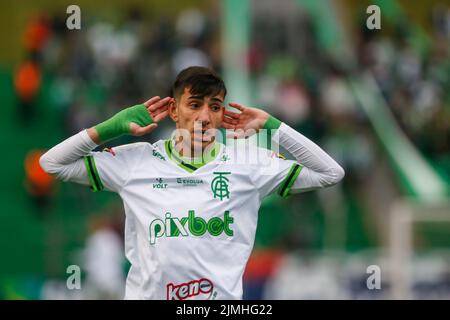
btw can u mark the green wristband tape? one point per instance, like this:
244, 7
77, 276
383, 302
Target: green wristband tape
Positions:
272, 123
119, 124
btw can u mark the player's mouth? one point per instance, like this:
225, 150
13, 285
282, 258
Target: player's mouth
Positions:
203, 135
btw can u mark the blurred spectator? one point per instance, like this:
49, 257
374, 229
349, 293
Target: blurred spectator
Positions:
39, 185
36, 35
261, 266
191, 30
104, 260
27, 82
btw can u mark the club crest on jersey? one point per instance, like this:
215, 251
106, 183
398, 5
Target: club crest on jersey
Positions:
201, 287
219, 185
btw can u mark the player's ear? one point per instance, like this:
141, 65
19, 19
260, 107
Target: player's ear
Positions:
173, 110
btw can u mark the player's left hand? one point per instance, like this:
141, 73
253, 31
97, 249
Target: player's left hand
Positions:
246, 122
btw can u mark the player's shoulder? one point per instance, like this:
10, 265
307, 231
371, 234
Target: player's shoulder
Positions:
244, 148
129, 149
159, 145
132, 147
245, 151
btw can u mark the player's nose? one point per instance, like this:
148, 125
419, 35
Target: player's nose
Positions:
204, 115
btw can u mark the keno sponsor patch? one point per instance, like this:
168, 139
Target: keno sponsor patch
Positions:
201, 287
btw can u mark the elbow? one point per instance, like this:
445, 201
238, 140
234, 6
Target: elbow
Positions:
338, 174
43, 162
46, 164
334, 176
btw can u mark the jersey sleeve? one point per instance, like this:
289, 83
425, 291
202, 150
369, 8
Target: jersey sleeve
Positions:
274, 173
111, 168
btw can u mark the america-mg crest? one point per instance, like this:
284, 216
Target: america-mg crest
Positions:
219, 185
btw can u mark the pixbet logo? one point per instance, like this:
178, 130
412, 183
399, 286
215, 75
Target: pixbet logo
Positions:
196, 226
189, 289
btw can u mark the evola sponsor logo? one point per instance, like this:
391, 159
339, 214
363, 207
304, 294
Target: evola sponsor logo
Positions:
189, 182
189, 289
196, 226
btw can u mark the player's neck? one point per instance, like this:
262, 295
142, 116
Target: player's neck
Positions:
189, 152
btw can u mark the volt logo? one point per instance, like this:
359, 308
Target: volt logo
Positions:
160, 184
190, 225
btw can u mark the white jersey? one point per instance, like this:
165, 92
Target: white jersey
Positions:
189, 232
190, 229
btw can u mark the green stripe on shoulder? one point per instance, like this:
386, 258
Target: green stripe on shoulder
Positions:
287, 183
94, 178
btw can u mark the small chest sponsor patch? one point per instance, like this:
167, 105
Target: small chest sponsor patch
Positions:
109, 150
277, 155
201, 287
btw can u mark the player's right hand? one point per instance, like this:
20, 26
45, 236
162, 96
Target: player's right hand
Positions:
158, 109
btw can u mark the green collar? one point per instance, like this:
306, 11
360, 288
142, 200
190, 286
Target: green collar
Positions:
191, 164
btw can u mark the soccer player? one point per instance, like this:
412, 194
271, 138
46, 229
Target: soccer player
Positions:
190, 217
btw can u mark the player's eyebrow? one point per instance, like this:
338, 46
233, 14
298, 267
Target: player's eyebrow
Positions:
214, 99
195, 98
217, 99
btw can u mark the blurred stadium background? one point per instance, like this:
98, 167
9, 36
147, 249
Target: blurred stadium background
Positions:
377, 100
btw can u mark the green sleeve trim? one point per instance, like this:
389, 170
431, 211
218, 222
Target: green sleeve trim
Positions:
94, 178
272, 123
287, 183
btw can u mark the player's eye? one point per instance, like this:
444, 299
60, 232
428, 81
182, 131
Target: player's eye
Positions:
194, 105
215, 108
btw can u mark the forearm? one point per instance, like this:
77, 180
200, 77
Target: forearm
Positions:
65, 159
93, 134
320, 170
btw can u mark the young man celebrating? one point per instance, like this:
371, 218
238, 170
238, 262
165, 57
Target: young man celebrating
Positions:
191, 202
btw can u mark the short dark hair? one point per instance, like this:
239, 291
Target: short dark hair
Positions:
202, 81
